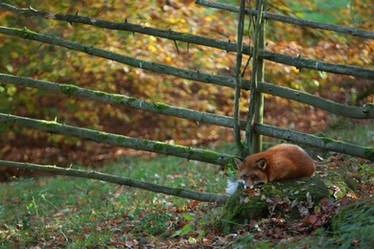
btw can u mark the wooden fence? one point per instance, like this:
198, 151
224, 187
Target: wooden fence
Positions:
252, 125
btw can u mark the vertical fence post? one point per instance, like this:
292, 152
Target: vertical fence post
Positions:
239, 56
253, 141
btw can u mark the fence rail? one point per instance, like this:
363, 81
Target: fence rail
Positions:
292, 20
298, 62
185, 193
340, 109
164, 148
120, 140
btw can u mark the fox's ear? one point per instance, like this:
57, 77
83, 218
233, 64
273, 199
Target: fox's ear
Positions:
238, 162
261, 163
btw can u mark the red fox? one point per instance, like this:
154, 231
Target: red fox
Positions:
282, 161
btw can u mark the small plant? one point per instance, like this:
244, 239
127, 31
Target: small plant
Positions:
366, 173
153, 222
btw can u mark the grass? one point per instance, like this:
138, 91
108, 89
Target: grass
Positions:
358, 132
81, 213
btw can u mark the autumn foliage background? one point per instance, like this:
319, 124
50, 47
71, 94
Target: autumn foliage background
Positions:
41, 61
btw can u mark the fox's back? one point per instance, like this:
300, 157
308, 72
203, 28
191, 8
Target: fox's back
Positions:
288, 161
283, 161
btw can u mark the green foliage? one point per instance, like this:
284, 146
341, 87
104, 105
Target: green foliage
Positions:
366, 172
247, 242
354, 225
155, 222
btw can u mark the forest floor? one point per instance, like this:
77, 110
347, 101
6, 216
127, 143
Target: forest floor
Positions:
54, 212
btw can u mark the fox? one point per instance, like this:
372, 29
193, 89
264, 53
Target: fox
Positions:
280, 162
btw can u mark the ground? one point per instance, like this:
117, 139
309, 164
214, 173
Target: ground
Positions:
70, 212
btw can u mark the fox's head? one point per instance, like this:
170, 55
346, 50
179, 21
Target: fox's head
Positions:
252, 170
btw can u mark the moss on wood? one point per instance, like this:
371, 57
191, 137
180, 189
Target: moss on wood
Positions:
307, 192
369, 152
161, 106
68, 89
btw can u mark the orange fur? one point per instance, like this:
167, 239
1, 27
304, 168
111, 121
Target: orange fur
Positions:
282, 161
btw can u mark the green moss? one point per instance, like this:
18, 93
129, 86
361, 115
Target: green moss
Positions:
338, 186
240, 208
117, 98
161, 106
131, 100
159, 147
326, 139
68, 89
230, 163
364, 208
353, 226
145, 142
190, 153
209, 156
119, 139
178, 191
101, 136
99, 94
369, 152
187, 36
26, 33
49, 124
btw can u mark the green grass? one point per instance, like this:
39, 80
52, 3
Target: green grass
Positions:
81, 213
78, 213
358, 132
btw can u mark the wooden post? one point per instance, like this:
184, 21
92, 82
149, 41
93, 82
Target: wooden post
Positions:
239, 56
259, 112
253, 141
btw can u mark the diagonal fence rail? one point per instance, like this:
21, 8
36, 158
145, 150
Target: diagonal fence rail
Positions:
180, 192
